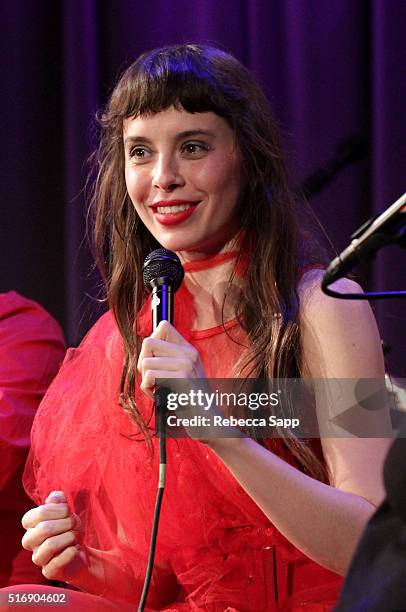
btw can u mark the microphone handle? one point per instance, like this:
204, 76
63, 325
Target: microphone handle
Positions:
355, 253
162, 304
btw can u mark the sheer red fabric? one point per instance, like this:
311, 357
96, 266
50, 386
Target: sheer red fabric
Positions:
31, 350
216, 550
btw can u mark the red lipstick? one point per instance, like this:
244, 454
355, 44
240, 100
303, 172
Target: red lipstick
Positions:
176, 217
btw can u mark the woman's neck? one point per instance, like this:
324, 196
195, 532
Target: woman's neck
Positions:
214, 296
207, 278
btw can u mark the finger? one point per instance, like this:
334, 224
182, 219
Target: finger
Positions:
57, 568
56, 497
155, 347
150, 376
44, 513
34, 537
166, 331
171, 364
52, 547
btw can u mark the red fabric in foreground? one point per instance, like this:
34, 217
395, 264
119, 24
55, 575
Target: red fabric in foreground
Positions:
216, 550
31, 350
84, 602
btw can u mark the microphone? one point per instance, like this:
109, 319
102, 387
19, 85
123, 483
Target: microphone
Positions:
388, 227
163, 275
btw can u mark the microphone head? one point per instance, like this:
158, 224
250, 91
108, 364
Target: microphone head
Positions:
162, 267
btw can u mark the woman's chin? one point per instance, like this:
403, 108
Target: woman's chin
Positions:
180, 244
190, 249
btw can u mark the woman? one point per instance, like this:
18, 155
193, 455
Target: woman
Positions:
189, 159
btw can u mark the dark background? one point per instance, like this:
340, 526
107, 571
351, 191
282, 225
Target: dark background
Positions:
332, 69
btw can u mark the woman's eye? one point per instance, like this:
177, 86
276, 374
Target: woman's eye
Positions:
195, 149
139, 153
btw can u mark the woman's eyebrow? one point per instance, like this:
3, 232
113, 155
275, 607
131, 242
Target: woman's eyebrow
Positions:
185, 134
134, 139
196, 132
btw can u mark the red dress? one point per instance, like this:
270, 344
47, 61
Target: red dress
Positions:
31, 350
216, 550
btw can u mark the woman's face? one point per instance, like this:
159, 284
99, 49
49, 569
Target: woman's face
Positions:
183, 174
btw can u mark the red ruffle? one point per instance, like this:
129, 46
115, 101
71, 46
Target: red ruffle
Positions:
220, 548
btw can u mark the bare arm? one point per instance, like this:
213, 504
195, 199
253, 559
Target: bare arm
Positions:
340, 340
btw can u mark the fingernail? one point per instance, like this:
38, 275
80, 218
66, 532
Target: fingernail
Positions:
56, 497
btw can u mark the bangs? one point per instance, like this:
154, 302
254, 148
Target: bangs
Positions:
182, 77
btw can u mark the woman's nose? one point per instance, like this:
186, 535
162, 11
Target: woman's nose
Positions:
167, 174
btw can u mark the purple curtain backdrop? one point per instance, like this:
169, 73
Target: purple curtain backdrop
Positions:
332, 71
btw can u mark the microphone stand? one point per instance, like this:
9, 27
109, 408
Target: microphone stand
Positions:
348, 151
370, 295
376, 233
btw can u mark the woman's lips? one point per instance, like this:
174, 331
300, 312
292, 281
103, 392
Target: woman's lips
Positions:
174, 218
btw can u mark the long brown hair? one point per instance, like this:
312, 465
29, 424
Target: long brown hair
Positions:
199, 78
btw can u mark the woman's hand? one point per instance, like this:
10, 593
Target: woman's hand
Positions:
165, 355
53, 534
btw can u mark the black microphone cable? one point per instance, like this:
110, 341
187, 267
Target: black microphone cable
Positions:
386, 228
161, 415
163, 275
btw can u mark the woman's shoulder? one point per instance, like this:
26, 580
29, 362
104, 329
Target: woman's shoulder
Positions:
336, 332
320, 310
89, 372
101, 345
102, 331
311, 294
